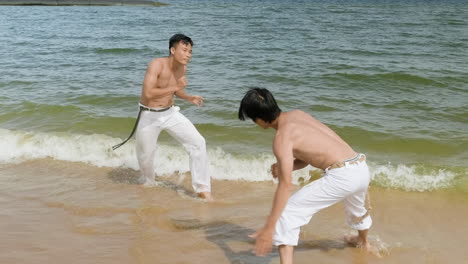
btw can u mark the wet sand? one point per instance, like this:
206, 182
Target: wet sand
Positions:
58, 212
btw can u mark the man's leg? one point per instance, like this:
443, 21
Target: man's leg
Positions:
362, 239
355, 209
300, 208
186, 133
357, 215
286, 254
146, 144
335, 186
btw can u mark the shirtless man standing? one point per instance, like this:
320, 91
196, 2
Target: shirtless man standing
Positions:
164, 79
301, 140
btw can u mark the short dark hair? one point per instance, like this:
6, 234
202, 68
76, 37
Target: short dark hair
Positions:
178, 38
259, 103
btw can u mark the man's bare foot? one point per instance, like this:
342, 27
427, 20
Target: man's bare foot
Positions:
206, 195
357, 242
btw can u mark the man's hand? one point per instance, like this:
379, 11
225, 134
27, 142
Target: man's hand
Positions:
263, 241
196, 100
274, 170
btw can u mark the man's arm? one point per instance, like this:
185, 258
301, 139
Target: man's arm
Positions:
194, 99
283, 151
298, 164
151, 80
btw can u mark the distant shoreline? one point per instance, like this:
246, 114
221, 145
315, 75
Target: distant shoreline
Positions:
80, 3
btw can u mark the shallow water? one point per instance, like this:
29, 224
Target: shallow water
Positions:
391, 79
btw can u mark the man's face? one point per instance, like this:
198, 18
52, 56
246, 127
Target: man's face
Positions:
182, 53
261, 123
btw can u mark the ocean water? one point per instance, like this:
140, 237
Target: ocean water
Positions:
390, 77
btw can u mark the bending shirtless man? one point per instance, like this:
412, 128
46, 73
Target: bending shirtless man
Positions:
164, 79
301, 140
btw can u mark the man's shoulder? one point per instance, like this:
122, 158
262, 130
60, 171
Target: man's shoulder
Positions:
158, 60
292, 117
157, 64
283, 133
298, 112
292, 125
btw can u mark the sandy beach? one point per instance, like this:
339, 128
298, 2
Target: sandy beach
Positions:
59, 212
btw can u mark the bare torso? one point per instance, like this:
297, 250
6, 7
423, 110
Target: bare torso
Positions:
161, 83
312, 141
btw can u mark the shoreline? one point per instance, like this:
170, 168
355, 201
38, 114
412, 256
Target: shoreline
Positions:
80, 3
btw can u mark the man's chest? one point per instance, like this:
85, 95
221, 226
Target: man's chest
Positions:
169, 79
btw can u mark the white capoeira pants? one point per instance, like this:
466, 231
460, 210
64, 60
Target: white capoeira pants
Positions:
179, 127
348, 184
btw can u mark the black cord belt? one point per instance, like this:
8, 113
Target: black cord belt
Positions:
142, 108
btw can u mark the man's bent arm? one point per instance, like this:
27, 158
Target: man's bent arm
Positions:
285, 159
284, 155
194, 99
183, 95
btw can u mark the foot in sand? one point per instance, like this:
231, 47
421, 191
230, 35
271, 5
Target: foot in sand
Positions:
206, 195
148, 182
358, 242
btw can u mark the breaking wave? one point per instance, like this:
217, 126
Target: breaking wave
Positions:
18, 146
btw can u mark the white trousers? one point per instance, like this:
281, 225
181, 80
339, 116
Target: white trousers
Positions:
179, 127
348, 184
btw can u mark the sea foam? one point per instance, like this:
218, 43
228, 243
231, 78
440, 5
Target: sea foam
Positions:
95, 149
18, 146
412, 178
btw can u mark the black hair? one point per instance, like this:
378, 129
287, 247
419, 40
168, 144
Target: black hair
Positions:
179, 38
259, 103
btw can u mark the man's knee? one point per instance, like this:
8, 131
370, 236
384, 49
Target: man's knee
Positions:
196, 146
199, 143
286, 231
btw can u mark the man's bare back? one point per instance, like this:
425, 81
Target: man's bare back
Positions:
312, 142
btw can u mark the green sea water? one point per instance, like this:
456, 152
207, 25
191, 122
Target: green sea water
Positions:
390, 77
